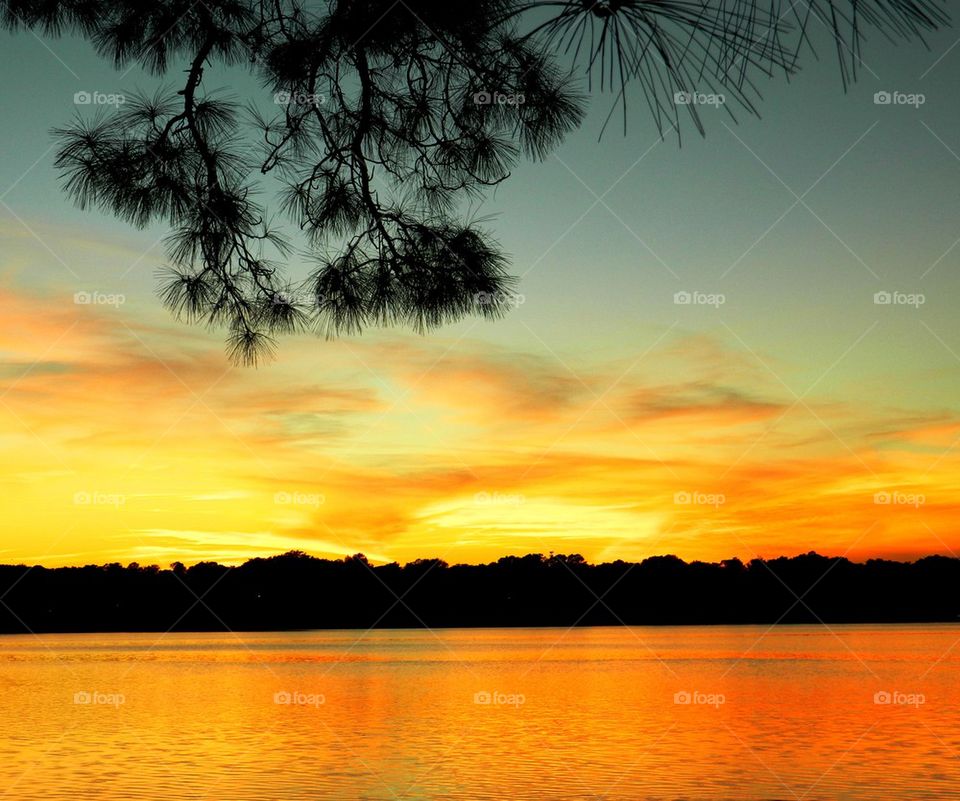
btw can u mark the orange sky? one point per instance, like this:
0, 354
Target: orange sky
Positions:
127, 439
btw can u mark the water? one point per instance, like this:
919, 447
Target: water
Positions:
788, 714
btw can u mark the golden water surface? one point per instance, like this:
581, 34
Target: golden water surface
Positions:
797, 713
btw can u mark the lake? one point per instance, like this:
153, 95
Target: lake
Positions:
803, 712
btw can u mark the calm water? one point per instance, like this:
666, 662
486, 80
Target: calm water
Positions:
472, 714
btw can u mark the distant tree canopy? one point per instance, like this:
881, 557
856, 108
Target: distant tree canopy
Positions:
387, 114
296, 591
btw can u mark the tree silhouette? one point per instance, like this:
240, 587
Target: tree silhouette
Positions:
388, 114
297, 591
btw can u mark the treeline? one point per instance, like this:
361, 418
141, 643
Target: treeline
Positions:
297, 591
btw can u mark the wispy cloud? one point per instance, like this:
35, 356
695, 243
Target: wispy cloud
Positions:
403, 447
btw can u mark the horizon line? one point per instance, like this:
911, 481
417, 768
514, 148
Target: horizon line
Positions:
568, 558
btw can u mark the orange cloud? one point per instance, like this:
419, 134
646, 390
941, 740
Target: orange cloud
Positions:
128, 438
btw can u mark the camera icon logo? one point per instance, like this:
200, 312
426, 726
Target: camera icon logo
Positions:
482, 697
682, 697
82, 98
882, 98
82, 697
282, 697
882, 697
482, 98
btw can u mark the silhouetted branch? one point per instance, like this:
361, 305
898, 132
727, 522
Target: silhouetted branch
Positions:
387, 117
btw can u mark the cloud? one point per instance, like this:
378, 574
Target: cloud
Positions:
420, 446
228, 547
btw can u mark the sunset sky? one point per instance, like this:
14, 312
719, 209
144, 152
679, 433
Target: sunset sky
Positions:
600, 417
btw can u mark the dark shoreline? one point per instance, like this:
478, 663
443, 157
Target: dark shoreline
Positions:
296, 592
831, 624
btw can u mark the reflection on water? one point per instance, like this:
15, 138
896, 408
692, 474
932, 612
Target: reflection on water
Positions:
855, 712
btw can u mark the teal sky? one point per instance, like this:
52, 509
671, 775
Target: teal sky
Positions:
696, 217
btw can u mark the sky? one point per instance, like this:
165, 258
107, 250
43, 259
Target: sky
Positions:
787, 408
